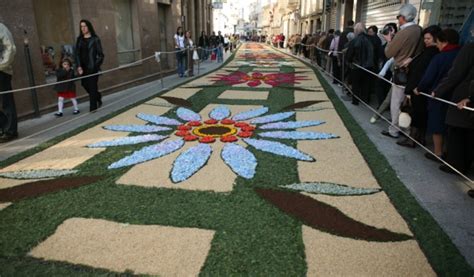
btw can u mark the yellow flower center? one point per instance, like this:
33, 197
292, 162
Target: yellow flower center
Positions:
215, 130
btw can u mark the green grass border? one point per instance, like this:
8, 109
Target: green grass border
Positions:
442, 254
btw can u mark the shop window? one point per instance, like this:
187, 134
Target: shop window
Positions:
127, 33
55, 34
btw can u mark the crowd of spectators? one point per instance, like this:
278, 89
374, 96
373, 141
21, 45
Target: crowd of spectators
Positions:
415, 60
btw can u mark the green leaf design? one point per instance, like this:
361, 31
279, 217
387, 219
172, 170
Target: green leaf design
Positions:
326, 218
37, 174
330, 189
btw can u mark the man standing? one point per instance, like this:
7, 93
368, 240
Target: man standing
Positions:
220, 45
404, 46
7, 55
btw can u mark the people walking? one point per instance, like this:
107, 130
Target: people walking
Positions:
180, 51
220, 47
89, 58
65, 90
9, 126
203, 44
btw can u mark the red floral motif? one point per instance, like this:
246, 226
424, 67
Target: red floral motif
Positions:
229, 139
184, 128
194, 123
208, 139
227, 121
247, 128
241, 124
256, 78
261, 56
182, 133
211, 121
253, 46
190, 138
244, 134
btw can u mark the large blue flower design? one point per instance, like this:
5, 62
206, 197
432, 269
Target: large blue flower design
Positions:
234, 131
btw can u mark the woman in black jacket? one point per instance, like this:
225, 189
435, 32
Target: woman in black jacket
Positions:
89, 58
416, 70
459, 82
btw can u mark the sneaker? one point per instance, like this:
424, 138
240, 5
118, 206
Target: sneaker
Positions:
58, 114
7, 137
373, 119
76, 112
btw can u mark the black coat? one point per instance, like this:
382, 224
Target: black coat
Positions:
361, 52
458, 82
203, 41
417, 68
62, 75
95, 54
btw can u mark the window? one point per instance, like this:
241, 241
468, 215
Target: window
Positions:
55, 34
126, 32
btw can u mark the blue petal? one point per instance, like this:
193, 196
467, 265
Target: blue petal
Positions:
239, 159
331, 189
219, 113
250, 114
187, 114
159, 120
291, 124
279, 149
190, 161
136, 128
297, 135
272, 117
127, 141
149, 153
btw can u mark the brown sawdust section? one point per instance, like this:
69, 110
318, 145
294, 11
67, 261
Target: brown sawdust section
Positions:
35, 189
143, 249
329, 255
325, 217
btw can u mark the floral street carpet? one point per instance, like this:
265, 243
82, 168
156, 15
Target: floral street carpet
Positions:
249, 170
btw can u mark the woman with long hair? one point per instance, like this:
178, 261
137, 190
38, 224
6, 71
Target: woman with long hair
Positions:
89, 58
180, 52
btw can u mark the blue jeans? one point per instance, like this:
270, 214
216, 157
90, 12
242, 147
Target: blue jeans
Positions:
180, 58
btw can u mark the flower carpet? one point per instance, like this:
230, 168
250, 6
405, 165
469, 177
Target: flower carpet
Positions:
253, 169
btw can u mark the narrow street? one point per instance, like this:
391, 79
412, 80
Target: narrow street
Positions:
255, 168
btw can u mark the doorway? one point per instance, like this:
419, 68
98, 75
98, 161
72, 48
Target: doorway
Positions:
163, 11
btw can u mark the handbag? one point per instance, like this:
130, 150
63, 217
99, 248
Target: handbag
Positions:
213, 56
404, 119
195, 55
400, 76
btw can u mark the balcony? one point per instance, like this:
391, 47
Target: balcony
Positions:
293, 4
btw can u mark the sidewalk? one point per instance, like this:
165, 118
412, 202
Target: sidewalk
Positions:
35, 131
442, 195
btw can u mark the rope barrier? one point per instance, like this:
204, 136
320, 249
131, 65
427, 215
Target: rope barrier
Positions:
422, 93
469, 181
105, 71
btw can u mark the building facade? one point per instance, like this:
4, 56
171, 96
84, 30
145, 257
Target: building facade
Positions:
310, 16
129, 30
